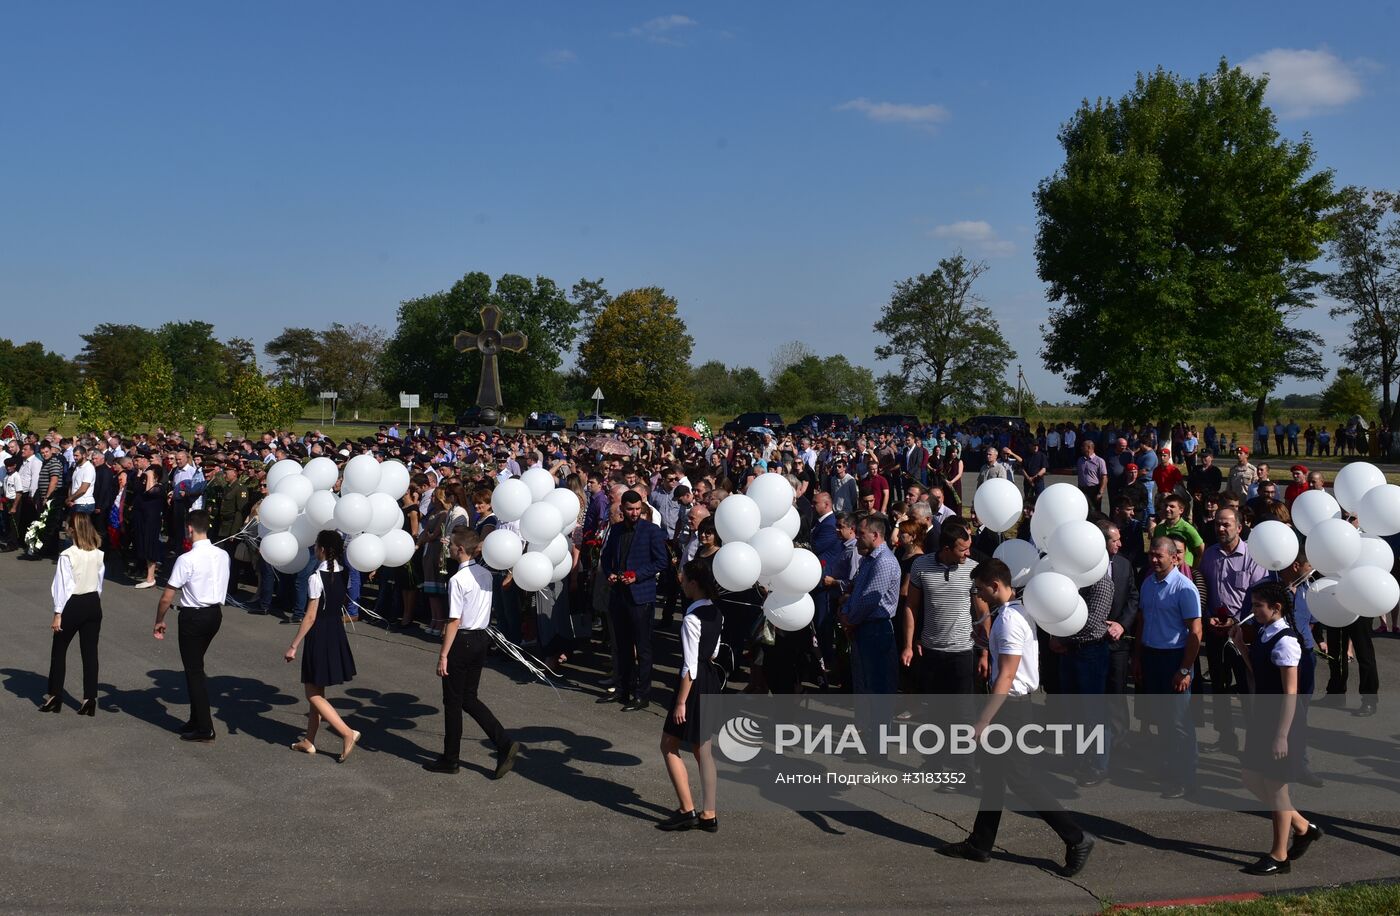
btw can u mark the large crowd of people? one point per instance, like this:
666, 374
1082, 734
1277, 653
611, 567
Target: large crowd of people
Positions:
910, 597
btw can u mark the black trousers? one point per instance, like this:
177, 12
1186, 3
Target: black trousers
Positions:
631, 643
1119, 665
82, 617
198, 627
1019, 772
946, 672
1227, 675
54, 525
1358, 634
459, 688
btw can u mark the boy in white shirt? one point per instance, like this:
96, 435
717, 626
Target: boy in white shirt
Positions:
1015, 675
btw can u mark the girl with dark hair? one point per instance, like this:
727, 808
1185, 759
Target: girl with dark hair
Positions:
700, 629
327, 660
1282, 671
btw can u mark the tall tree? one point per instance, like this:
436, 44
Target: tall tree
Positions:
1347, 396
347, 360
260, 406
638, 352
294, 353
787, 355
1366, 285
1166, 237
31, 371
947, 342
1294, 351
148, 399
113, 354
197, 358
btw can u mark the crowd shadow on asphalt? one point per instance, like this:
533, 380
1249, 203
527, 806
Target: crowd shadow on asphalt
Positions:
27, 685
384, 719
554, 769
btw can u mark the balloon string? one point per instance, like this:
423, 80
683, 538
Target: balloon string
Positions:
536, 667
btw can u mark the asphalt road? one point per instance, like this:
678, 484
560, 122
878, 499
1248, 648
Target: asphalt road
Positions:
114, 814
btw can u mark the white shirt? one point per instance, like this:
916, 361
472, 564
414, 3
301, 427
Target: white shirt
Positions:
314, 588
1286, 653
690, 640
469, 594
30, 469
1013, 633
78, 573
201, 575
83, 474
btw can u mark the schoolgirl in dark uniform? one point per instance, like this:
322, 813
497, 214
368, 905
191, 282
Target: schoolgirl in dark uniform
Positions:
700, 632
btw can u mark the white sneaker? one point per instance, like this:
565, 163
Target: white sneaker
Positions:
150, 584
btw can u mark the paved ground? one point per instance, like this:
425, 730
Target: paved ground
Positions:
114, 814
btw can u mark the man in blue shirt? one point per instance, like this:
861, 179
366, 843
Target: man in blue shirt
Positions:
1168, 640
868, 621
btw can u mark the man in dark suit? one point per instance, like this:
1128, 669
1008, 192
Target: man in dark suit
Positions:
827, 545
1122, 614
632, 558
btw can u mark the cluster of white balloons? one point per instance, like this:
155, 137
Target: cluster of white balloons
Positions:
1076, 552
1355, 564
301, 502
547, 514
757, 528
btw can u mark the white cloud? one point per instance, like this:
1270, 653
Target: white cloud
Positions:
559, 58
896, 112
1303, 82
976, 234
662, 29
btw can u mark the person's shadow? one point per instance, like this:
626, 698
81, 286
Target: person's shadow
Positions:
553, 769
27, 685
390, 717
241, 704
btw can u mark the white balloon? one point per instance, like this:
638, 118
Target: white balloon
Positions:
1367, 591
398, 547
320, 508
280, 548
322, 473
277, 512
502, 549
1043, 565
998, 504
737, 519
365, 553
385, 514
1273, 545
736, 565
557, 549
1077, 546
791, 523
393, 479
773, 495
1333, 545
1061, 502
1089, 577
1375, 552
295, 565
297, 486
774, 550
510, 499
802, 574
1311, 507
1020, 557
1354, 481
1071, 624
361, 476
563, 568
532, 571
281, 469
353, 513
567, 502
539, 482
1050, 598
1380, 510
305, 531
1324, 606
788, 612
540, 524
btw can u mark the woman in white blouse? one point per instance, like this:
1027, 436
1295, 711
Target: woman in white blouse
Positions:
77, 611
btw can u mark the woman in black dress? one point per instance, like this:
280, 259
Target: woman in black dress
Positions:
699, 640
150, 511
327, 660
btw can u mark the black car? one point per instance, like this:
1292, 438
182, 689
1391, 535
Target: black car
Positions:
890, 422
820, 423
546, 421
746, 421
991, 422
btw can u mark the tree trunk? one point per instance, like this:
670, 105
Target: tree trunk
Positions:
1259, 406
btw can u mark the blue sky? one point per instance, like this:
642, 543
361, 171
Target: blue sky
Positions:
776, 167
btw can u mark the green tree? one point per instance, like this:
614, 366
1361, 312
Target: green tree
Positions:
1166, 237
420, 357
830, 384
950, 350
1347, 395
197, 358
147, 400
347, 361
1293, 351
716, 387
32, 371
93, 407
260, 406
113, 354
638, 352
1366, 285
7, 395
294, 353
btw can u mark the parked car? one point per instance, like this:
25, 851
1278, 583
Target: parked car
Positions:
643, 424
746, 421
820, 423
474, 417
890, 422
595, 423
545, 421
992, 421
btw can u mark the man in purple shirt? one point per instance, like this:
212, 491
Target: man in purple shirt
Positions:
1093, 476
1229, 572
598, 503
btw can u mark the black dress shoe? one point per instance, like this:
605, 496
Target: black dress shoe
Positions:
52, 704
89, 708
187, 728
442, 765
635, 706
197, 736
612, 698
1076, 856
964, 850
707, 824
1268, 865
506, 759
1309, 778
681, 820
1366, 711
1087, 779
1302, 841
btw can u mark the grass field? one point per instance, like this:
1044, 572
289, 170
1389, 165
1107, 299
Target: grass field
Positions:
1353, 900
